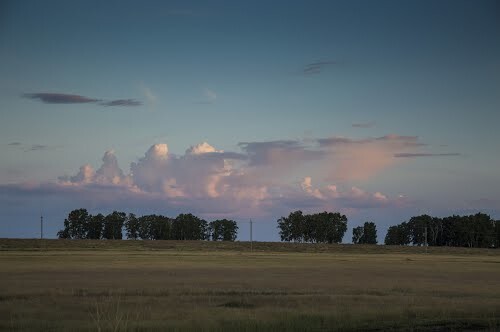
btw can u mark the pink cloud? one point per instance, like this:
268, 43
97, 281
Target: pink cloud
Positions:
261, 179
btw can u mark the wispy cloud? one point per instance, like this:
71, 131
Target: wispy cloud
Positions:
28, 148
416, 155
60, 98
399, 140
64, 98
122, 102
149, 95
317, 67
37, 147
370, 124
209, 97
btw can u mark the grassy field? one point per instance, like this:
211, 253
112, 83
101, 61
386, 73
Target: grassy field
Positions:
189, 286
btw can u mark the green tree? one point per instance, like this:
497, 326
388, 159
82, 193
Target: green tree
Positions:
357, 234
370, 233
398, 235
76, 225
113, 225
222, 230
95, 227
189, 227
160, 227
132, 227
285, 229
145, 227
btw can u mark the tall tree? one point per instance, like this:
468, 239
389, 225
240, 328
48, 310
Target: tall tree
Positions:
357, 234
398, 235
189, 227
132, 227
76, 225
370, 233
95, 227
160, 227
113, 225
366, 234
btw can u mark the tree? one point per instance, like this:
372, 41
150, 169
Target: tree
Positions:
76, 225
160, 227
335, 224
144, 227
366, 234
95, 227
132, 227
370, 233
357, 234
222, 230
418, 226
398, 235
113, 225
189, 227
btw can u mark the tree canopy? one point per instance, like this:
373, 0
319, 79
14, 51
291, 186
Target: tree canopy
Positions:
478, 231
324, 227
366, 234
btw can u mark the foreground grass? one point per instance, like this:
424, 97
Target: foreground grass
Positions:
141, 286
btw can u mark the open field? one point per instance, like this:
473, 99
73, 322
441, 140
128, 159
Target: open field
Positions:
178, 286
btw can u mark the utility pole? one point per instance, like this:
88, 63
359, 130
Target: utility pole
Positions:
251, 236
41, 227
425, 239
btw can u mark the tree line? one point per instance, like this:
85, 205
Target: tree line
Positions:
81, 225
474, 231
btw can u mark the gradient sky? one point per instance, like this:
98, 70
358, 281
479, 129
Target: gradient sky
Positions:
378, 109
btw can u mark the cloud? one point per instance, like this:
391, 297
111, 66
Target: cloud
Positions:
29, 148
38, 147
215, 181
354, 197
259, 179
415, 155
279, 153
370, 124
109, 172
122, 102
60, 98
361, 159
209, 97
150, 96
64, 98
395, 140
317, 67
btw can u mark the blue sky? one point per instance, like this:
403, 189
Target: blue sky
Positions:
379, 109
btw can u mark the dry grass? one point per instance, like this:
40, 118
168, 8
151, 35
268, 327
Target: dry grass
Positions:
165, 285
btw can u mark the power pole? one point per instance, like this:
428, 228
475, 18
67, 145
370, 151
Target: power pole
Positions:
251, 236
41, 227
425, 239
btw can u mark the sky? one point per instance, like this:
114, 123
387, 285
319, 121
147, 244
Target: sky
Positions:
380, 110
